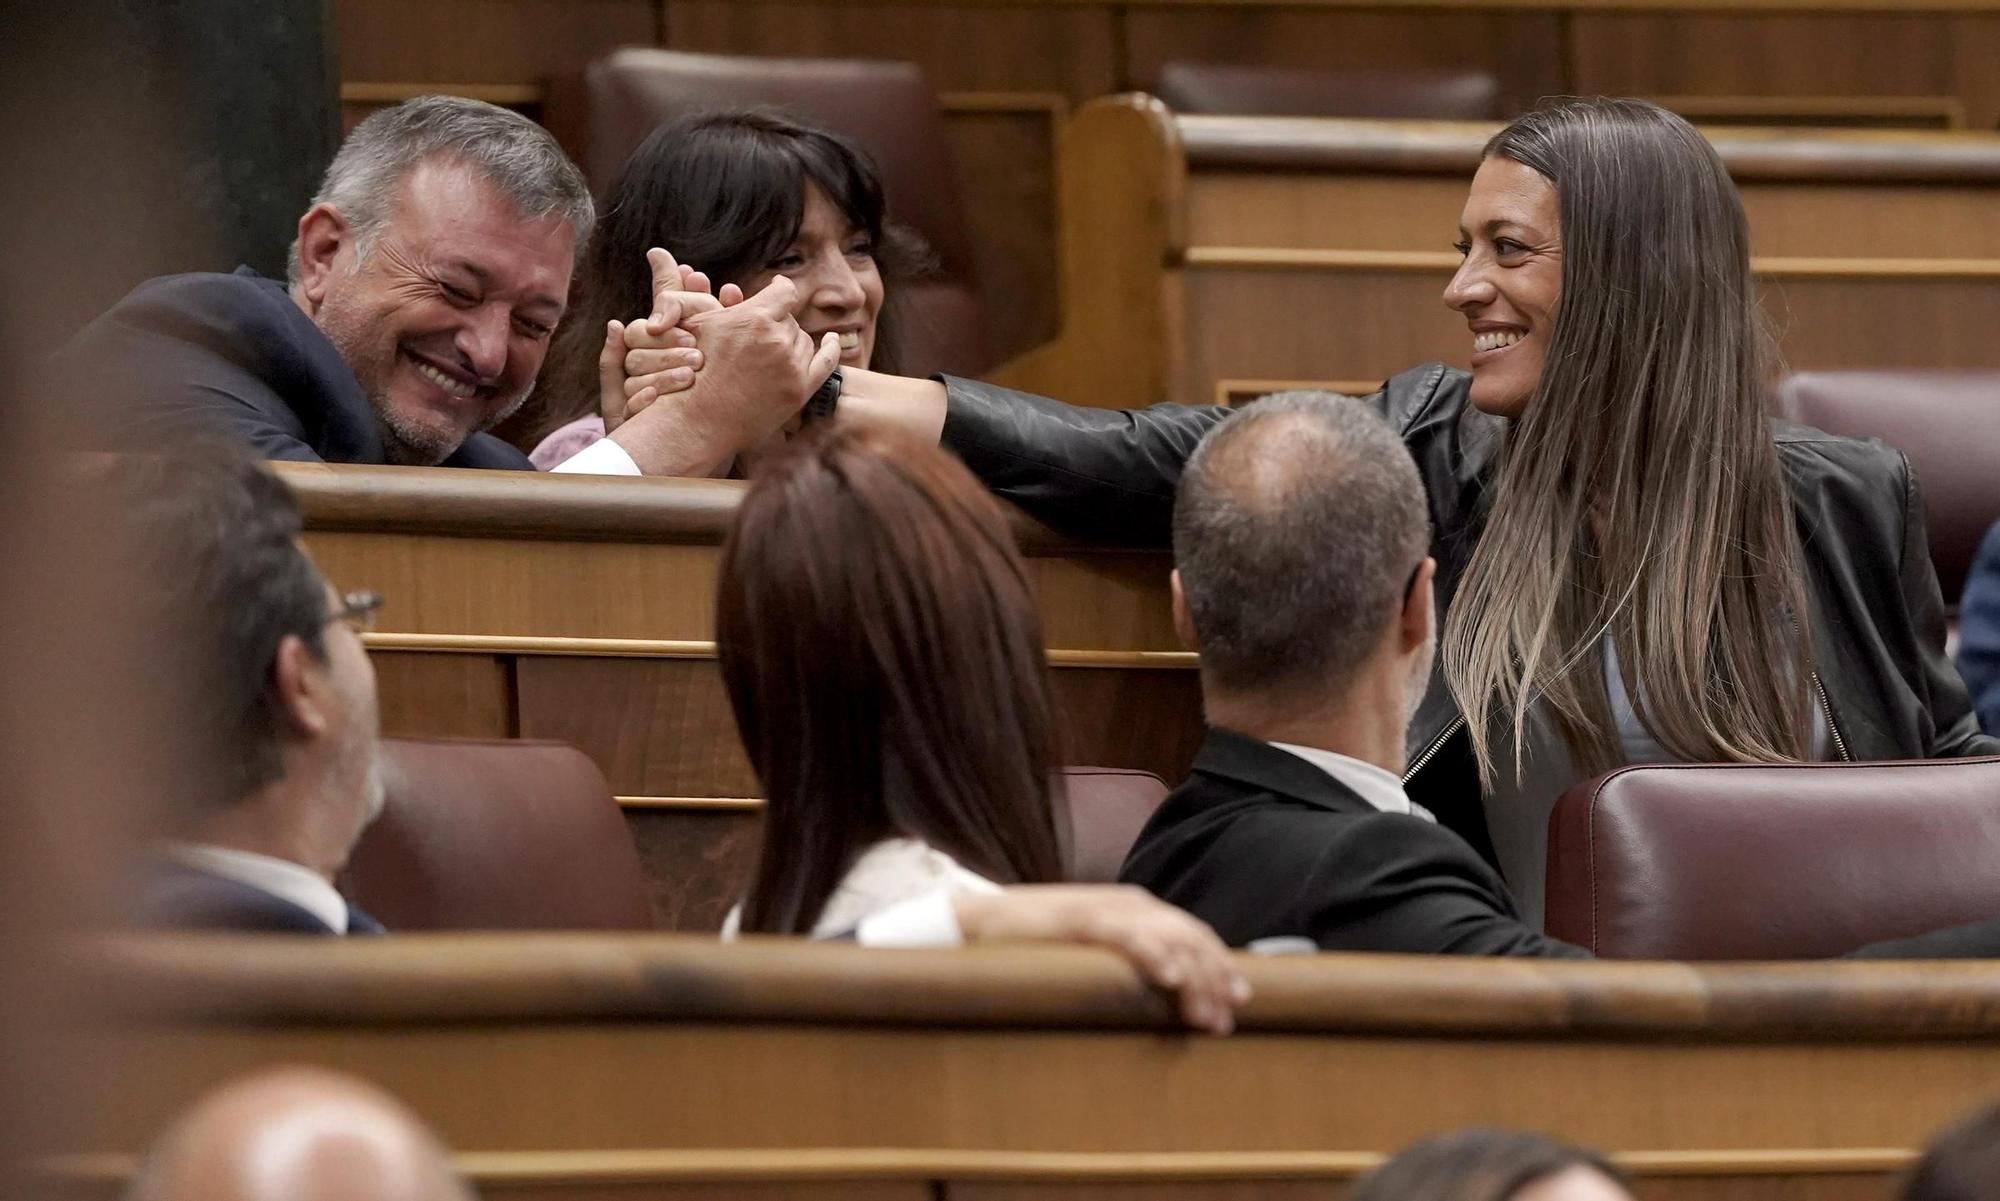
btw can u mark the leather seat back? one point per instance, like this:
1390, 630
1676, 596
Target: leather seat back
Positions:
1415, 93
1753, 861
1108, 806
1945, 421
496, 835
887, 108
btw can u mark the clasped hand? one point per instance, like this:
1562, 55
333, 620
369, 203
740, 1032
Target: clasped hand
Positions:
706, 377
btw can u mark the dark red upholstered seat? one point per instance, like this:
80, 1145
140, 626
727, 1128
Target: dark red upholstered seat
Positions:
1749, 861
496, 835
1948, 422
1416, 92
887, 108
1108, 806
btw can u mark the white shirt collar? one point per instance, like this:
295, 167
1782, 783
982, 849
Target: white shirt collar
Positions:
282, 878
1379, 788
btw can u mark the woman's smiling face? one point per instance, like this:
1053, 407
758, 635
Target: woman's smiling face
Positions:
1510, 281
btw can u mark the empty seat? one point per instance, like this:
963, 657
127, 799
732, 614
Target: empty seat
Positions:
1753, 861
887, 108
496, 835
1945, 421
1413, 92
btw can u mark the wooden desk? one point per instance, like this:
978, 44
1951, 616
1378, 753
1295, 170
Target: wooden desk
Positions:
1212, 258
582, 609
593, 1066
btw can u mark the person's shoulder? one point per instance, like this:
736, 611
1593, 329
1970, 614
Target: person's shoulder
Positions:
1426, 391
205, 292
1839, 474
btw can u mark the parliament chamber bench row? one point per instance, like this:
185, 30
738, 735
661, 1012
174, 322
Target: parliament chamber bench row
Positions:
1670, 861
1007, 74
604, 1066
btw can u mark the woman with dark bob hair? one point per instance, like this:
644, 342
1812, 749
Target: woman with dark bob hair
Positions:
1635, 564
883, 654
739, 197
1492, 1165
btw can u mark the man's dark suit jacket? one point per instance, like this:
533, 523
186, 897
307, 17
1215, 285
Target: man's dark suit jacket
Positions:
174, 896
231, 355
1259, 843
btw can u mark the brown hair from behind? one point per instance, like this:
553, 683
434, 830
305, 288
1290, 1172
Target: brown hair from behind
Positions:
883, 654
1476, 1165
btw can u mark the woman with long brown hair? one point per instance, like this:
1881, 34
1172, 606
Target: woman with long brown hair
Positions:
1635, 563
883, 654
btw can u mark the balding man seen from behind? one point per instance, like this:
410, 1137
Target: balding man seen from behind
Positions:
298, 1134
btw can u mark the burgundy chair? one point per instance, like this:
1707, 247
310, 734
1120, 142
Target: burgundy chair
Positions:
496, 835
1947, 422
1108, 806
1753, 861
1415, 92
887, 108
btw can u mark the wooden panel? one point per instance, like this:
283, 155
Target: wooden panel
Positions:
697, 864
657, 727
1067, 49
454, 585
1006, 172
1373, 324
1418, 212
1124, 718
1762, 54
444, 695
1975, 47
483, 41
1522, 49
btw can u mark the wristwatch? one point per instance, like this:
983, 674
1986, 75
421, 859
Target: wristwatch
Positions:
820, 406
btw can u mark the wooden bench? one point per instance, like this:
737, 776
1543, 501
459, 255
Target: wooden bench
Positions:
521, 605
648, 1066
1212, 258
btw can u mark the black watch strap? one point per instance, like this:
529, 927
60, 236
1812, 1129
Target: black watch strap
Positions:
820, 406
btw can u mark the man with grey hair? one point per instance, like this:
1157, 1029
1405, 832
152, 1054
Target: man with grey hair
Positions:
425, 282
1302, 577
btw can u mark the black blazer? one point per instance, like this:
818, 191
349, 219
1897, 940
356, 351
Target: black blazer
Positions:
174, 896
231, 355
1259, 843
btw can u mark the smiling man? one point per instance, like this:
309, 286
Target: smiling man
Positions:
426, 279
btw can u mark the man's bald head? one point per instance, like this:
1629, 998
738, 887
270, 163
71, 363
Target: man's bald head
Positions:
298, 1134
1297, 528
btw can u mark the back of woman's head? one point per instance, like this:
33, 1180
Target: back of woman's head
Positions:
1482, 1165
1641, 474
724, 192
883, 654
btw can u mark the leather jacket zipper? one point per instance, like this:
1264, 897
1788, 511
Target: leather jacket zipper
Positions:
1430, 752
1826, 708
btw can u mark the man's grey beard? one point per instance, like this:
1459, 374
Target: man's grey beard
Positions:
407, 447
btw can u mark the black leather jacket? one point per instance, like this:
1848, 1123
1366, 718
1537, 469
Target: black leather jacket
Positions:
1881, 676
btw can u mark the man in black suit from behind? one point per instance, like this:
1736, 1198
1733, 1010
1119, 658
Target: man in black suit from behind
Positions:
279, 713
1302, 578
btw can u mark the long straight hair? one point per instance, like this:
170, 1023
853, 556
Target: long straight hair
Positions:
724, 192
1639, 494
884, 658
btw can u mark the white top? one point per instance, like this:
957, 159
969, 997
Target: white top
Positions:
603, 457
897, 894
1371, 783
282, 878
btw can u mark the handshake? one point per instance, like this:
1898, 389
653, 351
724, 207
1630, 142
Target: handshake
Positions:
707, 377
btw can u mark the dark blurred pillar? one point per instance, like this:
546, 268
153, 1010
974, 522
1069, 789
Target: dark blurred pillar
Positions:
158, 136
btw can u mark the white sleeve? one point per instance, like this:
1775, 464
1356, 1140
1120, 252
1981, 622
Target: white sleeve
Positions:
929, 920
602, 457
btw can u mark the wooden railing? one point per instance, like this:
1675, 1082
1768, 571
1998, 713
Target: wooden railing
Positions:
652, 1064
